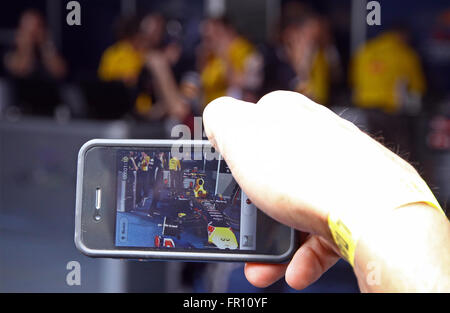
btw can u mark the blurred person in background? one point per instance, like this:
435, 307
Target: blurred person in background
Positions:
386, 74
229, 64
158, 93
35, 71
304, 59
143, 63
35, 55
123, 61
387, 80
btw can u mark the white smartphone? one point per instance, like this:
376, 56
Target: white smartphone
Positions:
169, 199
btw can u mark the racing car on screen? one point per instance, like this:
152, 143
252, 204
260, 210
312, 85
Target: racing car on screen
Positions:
174, 235
170, 231
161, 241
222, 237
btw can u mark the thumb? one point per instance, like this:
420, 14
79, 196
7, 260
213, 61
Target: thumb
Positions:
223, 117
248, 136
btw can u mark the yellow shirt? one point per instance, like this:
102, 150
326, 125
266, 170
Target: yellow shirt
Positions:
144, 163
378, 68
174, 164
318, 84
120, 62
214, 75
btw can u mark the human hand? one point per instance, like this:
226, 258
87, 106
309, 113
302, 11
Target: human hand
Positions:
298, 162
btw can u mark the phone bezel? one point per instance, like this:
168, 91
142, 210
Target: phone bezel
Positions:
118, 252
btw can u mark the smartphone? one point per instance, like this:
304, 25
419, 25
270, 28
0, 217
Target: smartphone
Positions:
169, 199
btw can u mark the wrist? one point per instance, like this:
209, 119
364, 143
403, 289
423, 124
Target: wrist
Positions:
402, 251
394, 183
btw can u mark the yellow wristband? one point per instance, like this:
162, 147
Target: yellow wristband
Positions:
346, 226
343, 237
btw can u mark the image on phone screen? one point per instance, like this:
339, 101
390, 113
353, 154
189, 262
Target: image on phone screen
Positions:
164, 202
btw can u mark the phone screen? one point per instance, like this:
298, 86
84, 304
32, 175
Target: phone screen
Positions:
165, 202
